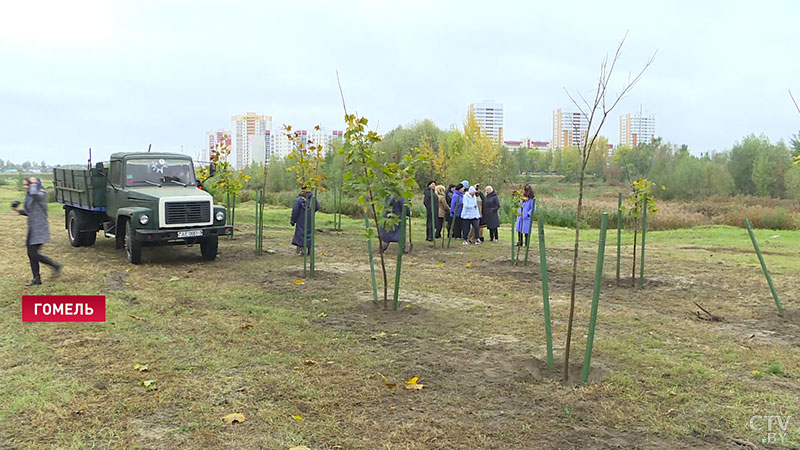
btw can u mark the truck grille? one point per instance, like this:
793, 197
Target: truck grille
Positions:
187, 212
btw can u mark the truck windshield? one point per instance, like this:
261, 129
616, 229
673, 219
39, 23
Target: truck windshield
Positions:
159, 171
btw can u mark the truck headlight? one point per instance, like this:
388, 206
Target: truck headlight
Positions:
220, 216
143, 219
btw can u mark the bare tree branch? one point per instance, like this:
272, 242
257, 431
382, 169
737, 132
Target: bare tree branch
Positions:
341, 92
794, 101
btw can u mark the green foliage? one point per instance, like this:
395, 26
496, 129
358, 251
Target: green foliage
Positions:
743, 157
769, 170
20, 182
306, 156
570, 163
794, 143
227, 181
374, 182
641, 198
776, 368
793, 182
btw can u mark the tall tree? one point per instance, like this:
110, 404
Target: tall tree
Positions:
742, 161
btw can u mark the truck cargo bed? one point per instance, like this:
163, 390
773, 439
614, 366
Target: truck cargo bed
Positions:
80, 188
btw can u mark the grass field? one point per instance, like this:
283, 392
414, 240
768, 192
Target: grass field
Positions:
304, 362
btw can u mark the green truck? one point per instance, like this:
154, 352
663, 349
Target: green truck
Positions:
140, 199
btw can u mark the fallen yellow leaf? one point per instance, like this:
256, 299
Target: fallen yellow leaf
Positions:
440, 265
299, 447
149, 384
469, 265
246, 326
141, 367
412, 384
386, 381
173, 278
299, 282
299, 418
235, 417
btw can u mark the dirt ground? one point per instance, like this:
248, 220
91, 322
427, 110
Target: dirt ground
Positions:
304, 359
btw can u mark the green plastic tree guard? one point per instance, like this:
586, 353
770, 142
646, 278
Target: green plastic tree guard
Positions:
644, 235
598, 281
313, 234
764, 267
307, 221
619, 233
545, 295
371, 261
513, 239
401, 246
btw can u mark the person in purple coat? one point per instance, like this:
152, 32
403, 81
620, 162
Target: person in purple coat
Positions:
526, 210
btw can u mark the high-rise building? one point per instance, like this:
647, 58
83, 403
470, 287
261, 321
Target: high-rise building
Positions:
569, 129
282, 146
213, 141
636, 128
260, 147
242, 127
489, 116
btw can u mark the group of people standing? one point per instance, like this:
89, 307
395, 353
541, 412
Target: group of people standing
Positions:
461, 210
466, 211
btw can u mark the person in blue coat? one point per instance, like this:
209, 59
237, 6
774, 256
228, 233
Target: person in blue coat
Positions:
393, 235
300, 214
455, 210
35, 208
526, 210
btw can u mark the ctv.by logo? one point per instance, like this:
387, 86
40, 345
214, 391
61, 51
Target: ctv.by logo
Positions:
777, 428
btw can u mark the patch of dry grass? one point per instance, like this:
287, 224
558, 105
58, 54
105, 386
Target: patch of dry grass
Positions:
237, 335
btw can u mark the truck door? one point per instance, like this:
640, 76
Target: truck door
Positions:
116, 195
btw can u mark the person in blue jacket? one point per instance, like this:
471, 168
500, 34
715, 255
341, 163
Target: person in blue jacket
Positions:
455, 210
470, 216
526, 210
300, 214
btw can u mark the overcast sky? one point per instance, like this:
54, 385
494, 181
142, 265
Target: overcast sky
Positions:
116, 75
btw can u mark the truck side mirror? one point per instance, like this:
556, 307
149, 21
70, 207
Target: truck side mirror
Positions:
101, 170
212, 169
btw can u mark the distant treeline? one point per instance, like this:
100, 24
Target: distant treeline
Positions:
754, 166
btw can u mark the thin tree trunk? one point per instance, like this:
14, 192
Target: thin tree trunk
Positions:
633, 270
565, 375
380, 243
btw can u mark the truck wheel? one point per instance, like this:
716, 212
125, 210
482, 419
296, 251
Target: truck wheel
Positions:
208, 247
133, 248
89, 238
76, 238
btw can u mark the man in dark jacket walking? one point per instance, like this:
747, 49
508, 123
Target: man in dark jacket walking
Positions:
431, 202
35, 207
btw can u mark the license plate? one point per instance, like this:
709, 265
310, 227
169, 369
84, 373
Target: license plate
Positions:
190, 233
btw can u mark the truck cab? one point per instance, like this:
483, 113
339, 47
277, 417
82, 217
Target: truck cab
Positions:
141, 199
